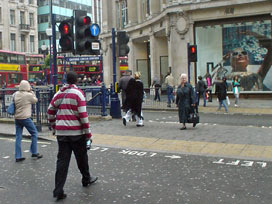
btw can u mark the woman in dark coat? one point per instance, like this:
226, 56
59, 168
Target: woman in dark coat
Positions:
185, 100
134, 100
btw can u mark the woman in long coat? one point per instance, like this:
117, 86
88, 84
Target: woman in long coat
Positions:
185, 100
134, 100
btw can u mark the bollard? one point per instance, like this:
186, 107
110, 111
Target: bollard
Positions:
115, 109
103, 107
38, 120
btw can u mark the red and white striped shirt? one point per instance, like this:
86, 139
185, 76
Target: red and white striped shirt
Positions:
67, 113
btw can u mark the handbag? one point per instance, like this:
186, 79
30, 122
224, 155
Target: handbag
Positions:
11, 108
193, 116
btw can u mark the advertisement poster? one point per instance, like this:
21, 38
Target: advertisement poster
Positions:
240, 49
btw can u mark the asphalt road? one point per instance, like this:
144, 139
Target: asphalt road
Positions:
133, 176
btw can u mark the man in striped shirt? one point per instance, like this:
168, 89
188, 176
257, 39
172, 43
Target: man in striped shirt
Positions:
69, 120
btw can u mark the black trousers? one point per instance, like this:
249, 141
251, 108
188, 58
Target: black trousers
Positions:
64, 155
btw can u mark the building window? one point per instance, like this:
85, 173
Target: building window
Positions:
124, 13
31, 20
30, 1
12, 42
12, 17
23, 43
148, 7
32, 44
1, 45
21, 1
22, 17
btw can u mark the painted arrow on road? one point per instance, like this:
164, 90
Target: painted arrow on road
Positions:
174, 157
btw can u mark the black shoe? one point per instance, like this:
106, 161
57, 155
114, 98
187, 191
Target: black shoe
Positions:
20, 159
37, 156
183, 128
92, 180
139, 125
194, 124
124, 122
60, 196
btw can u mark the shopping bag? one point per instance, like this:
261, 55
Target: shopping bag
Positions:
228, 101
11, 109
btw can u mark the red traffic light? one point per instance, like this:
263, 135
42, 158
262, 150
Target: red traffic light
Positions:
193, 49
65, 28
83, 20
86, 20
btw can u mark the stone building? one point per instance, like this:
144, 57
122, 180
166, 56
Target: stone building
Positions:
18, 25
161, 30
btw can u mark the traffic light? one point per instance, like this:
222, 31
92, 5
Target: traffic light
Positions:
122, 40
192, 53
86, 41
67, 35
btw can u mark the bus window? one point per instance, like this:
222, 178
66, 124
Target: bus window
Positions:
21, 59
13, 58
14, 78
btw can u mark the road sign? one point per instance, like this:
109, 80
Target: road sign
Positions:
95, 46
77, 59
95, 29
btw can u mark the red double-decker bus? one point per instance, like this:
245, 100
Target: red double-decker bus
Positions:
13, 68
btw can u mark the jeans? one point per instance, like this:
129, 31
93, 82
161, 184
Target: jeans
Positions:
31, 128
169, 91
224, 103
236, 98
204, 98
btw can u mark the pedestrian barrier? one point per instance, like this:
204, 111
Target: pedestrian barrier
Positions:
97, 102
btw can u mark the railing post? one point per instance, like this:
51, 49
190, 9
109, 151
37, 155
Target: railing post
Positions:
103, 108
3, 100
38, 120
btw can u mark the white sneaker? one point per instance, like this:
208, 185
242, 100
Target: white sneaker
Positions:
235, 105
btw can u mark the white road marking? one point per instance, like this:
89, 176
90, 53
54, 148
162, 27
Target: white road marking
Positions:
6, 157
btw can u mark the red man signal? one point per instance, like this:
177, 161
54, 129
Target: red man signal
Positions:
67, 35
192, 53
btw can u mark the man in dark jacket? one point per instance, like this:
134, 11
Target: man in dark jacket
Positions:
221, 92
201, 90
122, 85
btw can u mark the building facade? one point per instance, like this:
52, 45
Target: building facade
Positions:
232, 38
18, 25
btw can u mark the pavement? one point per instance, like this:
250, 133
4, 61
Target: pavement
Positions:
110, 134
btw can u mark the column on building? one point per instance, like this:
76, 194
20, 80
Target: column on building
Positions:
132, 12
158, 51
178, 54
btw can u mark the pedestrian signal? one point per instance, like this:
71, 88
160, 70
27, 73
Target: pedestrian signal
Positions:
122, 40
66, 41
192, 53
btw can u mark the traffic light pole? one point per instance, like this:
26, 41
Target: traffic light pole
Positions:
115, 109
55, 76
189, 64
